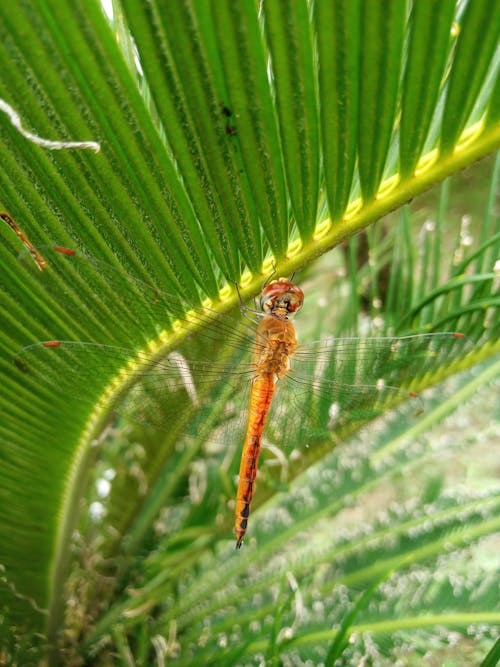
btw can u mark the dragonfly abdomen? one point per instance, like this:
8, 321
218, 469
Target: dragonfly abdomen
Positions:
260, 400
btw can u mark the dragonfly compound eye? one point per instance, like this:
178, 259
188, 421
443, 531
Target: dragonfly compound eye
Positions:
281, 293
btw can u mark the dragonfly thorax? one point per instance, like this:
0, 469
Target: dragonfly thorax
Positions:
276, 341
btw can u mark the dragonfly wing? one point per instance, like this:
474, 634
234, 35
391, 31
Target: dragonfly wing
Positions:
78, 287
145, 382
346, 381
396, 361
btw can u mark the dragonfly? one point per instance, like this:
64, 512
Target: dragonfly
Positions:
299, 390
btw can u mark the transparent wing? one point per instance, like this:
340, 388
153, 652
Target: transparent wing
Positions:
73, 367
78, 287
340, 381
367, 366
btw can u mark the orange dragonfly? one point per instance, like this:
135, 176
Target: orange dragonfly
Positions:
319, 386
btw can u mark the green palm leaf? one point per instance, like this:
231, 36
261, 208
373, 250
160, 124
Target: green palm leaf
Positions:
233, 139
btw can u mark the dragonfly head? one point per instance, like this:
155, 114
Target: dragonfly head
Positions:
281, 298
